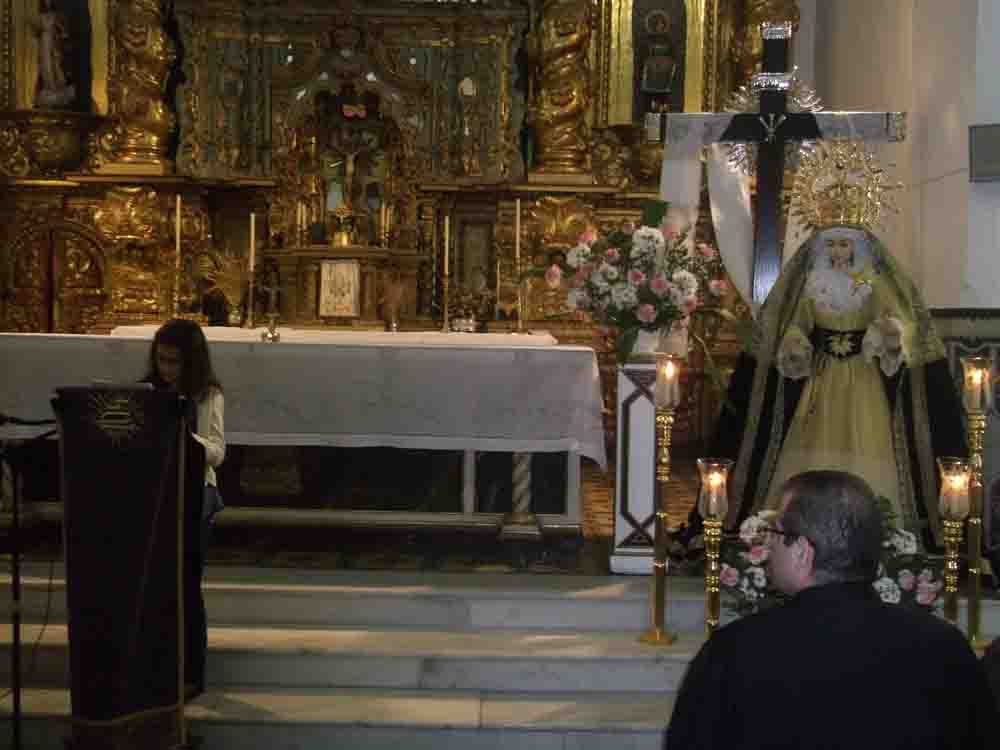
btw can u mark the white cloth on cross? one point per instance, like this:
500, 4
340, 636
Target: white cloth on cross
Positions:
729, 188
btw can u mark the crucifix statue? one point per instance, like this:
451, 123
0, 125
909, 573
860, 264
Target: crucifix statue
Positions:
770, 130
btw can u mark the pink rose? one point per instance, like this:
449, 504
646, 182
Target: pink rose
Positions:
612, 255
757, 554
628, 227
588, 237
646, 313
553, 276
706, 250
729, 576
636, 276
907, 580
927, 593
689, 305
670, 229
718, 287
659, 285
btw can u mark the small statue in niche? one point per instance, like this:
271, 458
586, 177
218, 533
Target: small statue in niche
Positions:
54, 90
659, 69
468, 92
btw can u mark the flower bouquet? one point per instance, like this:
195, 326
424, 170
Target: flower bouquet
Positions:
905, 575
638, 279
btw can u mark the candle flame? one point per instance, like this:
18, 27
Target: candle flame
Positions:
957, 481
670, 370
977, 376
714, 480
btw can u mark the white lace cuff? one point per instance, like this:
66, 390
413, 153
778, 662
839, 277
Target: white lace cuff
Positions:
795, 355
884, 339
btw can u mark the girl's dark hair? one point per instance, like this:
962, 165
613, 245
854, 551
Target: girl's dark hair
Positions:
197, 375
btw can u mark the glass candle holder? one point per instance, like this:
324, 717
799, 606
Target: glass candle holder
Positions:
953, 503
713, 500
667, 391
977, 386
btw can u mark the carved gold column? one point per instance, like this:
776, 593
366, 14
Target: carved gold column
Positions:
560, 48
135, 141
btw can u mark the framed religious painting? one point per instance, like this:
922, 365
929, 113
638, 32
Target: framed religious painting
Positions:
668, 55
340, 289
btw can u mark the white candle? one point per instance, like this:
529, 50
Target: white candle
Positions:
715, 495
253, 240
667, 391
447, 237
955, 497
517, 235
177, 234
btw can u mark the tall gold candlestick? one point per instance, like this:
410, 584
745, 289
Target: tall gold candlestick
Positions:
952, 540
978, 399
713, 502
445, 278
517, 265
250, 266
953, 506
177, 257
666, 401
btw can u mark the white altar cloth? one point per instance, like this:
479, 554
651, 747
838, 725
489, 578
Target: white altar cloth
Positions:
471, 392
359, 338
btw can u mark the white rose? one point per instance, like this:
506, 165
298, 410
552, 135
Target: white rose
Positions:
647, 241
608, 271
687, 282
577, 256
624, 295
888, 590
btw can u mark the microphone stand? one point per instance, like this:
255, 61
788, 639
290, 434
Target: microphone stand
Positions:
15, 567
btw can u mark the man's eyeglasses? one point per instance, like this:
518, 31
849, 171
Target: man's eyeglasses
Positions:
771, 533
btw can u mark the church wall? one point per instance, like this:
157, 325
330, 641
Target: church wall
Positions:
983, 271
863, 53
918, 56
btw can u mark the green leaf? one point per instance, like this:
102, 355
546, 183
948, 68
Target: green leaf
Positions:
653, 212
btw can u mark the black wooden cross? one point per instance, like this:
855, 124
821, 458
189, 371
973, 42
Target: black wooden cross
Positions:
771, 128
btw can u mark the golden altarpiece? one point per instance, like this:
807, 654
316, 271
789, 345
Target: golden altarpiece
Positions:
137, 138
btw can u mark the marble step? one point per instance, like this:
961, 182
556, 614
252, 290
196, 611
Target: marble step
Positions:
262, 597
489, 661
288, 597
364, 719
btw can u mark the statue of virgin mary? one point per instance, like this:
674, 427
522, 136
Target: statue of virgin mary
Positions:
845, 371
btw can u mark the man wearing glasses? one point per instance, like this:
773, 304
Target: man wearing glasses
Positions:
834, 667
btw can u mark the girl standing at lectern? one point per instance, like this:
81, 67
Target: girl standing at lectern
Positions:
179, 360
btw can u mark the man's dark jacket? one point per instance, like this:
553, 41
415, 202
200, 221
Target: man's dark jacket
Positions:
835, 668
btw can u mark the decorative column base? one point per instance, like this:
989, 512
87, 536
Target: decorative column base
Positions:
635, 512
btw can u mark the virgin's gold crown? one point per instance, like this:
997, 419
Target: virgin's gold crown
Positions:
841, 182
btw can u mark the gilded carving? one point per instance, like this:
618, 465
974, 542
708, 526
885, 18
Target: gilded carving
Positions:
559, 112
610, 159
136, 140
556, 224
14, 160
136, 214
54, 273
749, 49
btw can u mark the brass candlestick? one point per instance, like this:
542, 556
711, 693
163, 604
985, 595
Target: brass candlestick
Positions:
977, 395
953, 506
666, 398
445, 324
713, 503
952, 540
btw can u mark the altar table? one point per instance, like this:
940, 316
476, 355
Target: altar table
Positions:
438, 391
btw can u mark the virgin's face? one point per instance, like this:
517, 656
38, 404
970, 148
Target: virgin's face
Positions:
840, 250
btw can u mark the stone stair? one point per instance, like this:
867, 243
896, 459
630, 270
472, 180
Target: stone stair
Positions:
313, 659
